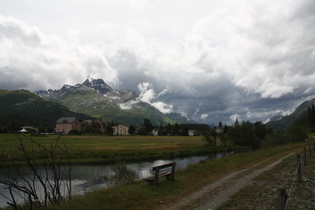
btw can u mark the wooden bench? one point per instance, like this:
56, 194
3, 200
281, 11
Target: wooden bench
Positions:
154, 179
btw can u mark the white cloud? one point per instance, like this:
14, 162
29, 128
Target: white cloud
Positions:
148, 95
235, 117
163, 107
248, 50
33, 60
128, 105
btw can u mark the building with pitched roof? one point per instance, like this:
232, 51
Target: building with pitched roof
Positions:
120, 129
66, 124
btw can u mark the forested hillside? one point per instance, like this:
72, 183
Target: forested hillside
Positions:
21, 107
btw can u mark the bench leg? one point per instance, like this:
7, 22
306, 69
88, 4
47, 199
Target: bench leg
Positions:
156, 177
173, 171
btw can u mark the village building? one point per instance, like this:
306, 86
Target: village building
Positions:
86, 125
120, 129
154, 132
66, 124
93, 125
193, 133
219, 129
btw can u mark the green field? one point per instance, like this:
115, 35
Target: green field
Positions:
109, 149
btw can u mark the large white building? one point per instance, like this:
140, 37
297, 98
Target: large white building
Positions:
120, 129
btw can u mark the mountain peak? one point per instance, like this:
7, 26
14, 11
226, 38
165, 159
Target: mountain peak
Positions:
97, 84
108, 103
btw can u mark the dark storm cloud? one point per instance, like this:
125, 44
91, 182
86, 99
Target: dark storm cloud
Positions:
129, 73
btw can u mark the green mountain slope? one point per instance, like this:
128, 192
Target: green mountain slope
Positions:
97, 99
286, 121
21, 107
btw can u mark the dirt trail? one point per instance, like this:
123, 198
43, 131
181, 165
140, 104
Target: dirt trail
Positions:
218, 192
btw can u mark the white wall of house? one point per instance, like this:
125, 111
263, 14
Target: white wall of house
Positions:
120, 129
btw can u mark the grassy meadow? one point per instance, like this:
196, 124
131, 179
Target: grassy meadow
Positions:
101, 149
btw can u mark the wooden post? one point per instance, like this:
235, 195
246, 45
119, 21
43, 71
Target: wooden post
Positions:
173, 171
282, 195
156, 176
304, 156
299, 169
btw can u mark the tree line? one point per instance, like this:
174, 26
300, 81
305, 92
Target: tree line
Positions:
167, 130
254, 135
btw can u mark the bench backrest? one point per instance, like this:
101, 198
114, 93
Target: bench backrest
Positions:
170, 176
164, 166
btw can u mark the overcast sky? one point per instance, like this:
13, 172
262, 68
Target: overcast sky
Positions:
213, 60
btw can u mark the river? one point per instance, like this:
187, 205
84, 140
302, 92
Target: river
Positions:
92, 177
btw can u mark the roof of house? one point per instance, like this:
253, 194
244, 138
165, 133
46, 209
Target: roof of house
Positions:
87, 121
66, 120
124, 124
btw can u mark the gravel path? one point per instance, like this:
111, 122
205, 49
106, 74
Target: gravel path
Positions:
219, 192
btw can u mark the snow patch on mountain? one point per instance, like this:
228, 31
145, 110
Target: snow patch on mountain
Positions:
112, 97
204, 116
97, 84
67, 86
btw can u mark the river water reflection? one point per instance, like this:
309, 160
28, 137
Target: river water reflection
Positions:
89, 178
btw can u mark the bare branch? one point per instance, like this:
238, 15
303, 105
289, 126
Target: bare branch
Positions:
36, 157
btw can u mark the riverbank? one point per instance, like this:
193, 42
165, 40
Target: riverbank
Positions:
140, 195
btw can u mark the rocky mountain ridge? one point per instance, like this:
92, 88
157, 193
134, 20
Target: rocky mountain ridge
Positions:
286, 121
87, 86
97, 99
